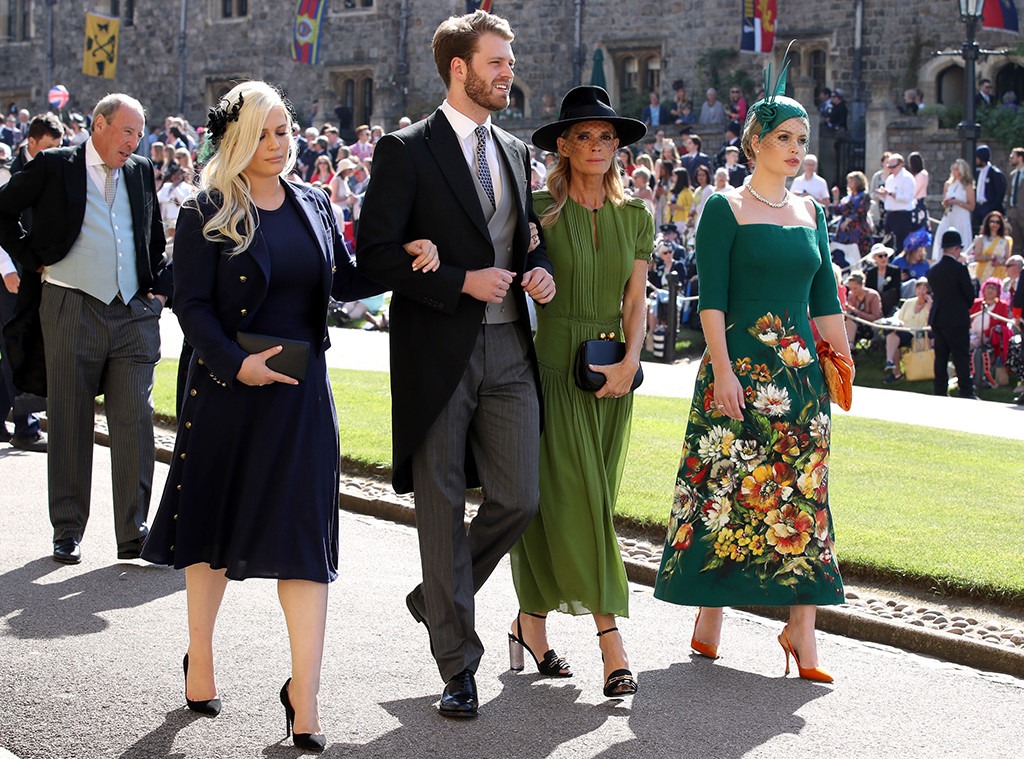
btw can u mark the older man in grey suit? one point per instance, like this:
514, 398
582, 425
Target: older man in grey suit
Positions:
97, 240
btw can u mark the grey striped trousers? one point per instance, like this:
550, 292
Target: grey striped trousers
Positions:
97, 349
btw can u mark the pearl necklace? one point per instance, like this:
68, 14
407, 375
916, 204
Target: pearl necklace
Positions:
763, 199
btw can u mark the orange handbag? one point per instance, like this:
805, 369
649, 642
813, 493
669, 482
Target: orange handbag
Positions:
838, 371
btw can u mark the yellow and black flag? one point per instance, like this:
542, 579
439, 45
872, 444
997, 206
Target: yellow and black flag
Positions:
102, 34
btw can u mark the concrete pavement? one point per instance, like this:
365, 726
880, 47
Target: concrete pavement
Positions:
90, 666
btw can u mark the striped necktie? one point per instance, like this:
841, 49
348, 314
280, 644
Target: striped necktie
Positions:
483, 171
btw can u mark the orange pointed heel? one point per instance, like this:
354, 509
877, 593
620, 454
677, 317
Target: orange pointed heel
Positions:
817, 674
704, 649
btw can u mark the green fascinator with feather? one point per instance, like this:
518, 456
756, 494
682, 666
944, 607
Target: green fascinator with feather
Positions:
775, 108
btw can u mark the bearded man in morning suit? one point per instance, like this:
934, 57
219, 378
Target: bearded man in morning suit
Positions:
97, 240
464, 383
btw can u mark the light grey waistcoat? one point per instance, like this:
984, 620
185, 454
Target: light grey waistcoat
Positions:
101, 263
501, 223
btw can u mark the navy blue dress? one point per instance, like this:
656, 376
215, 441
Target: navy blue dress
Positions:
253, 485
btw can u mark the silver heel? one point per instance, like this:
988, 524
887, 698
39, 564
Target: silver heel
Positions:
515, 654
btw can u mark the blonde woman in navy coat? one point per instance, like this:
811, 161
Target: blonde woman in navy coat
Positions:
252, 491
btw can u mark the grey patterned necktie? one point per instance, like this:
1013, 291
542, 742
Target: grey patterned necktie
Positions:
110, 185
483, 171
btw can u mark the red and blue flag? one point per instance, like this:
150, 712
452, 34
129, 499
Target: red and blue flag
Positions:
1000, 14
309, 17
478, 5
758, 34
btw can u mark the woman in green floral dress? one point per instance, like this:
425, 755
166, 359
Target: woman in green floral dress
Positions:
750, 521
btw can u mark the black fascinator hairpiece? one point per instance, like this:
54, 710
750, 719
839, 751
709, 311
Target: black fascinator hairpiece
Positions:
220, 116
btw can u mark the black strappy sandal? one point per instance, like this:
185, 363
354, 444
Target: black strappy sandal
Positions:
620, 682
551, 665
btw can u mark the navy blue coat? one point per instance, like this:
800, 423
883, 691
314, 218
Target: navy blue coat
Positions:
217, 294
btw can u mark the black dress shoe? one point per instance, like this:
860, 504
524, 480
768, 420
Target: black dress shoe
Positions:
459, 696
67, 552
35, 443
132, 550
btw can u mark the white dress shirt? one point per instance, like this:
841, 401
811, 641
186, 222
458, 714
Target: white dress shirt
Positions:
464, 127
900, 186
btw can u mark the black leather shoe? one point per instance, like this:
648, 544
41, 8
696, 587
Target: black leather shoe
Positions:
132, 550
459, 696
35, 443
1019, 400
67, 552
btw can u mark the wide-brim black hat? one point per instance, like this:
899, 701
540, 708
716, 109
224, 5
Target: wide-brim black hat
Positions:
587, 103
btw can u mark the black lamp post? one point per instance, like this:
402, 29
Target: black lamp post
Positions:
969, 130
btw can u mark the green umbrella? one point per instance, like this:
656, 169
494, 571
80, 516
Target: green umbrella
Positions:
597, 72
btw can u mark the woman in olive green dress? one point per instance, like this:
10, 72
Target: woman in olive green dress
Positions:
750, 521
599, 244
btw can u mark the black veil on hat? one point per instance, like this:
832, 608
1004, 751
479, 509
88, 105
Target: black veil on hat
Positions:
587, 103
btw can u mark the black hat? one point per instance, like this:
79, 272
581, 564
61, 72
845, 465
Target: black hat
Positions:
735, 127
587, 103
951, 239
669, 228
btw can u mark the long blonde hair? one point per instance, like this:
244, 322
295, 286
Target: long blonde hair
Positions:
966, 175
559, 178
222, 179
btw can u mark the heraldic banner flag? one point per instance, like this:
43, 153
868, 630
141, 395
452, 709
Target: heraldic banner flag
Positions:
102, 35
309, 17
1000, 14
758, 26
478, 5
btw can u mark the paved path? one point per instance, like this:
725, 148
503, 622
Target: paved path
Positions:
356, 349
91, 657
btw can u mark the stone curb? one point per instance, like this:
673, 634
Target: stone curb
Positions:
844, 619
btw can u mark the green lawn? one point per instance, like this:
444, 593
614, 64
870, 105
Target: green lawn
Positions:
900, 514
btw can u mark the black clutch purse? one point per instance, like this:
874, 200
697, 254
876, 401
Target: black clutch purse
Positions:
601, 352
292, 359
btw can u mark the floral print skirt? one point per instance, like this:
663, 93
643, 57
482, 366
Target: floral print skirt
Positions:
750, 521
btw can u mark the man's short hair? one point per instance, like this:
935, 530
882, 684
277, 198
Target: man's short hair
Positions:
856, 277
1018, 152
457, 37
109, 104
696, 140
45, 124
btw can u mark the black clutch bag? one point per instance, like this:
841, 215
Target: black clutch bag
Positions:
601, 352
292, 359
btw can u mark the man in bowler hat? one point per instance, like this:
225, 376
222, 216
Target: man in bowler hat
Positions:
950, 320
464, 383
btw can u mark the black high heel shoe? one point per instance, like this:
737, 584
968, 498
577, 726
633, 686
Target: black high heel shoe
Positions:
308, 741
210, 708
620, 682
551, 664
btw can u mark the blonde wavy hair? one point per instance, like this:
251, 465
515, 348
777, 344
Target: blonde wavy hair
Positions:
559, 177
222, 179
966, 175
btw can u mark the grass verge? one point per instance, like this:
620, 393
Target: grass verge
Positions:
912, 505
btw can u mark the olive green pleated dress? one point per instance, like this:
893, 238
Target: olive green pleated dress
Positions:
569, 558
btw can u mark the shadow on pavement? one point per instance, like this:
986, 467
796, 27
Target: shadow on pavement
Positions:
72, 606
700, 708
159, 741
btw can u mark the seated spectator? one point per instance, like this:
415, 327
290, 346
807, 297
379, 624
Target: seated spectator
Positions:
990, 336
913, 314
369, 309
863, 303
883, 277
711, 111
686, 115
913, 262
